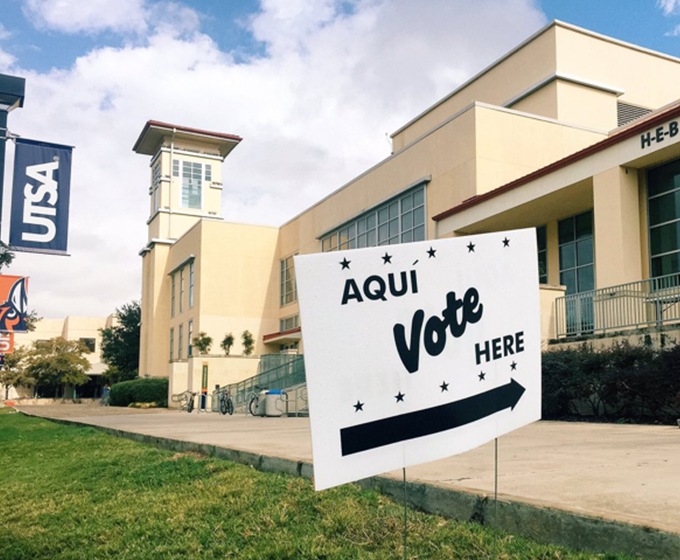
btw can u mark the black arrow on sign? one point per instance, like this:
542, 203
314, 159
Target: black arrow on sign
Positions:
411, 425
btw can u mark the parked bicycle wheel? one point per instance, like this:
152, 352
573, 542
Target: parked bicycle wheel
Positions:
224, 405
190, 404
230, 406
252, 405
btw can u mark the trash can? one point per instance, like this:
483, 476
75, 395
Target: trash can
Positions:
276, 403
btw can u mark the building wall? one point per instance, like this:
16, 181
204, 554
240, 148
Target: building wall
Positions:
71, 328
553, 96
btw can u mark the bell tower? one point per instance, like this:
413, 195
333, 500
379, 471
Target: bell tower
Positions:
185, 187
185, 176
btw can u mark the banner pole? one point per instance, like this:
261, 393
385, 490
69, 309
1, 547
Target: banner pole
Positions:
11, 96
403, 470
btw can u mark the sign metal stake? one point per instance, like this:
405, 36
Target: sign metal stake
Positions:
403, 470
495, 473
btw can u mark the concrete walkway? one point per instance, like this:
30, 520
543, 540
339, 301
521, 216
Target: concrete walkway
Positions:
625, 473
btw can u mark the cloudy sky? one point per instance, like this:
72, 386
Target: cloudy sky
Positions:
312, 86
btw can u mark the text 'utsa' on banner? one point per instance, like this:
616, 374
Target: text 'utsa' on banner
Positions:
40, 197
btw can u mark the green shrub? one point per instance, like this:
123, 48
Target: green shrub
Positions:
143, 390
622, 381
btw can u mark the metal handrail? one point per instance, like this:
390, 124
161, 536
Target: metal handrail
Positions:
652, 302
280, 377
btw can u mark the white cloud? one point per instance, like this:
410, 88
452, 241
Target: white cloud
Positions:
313, 113
4, 33
669, 7
89, 16
6, 61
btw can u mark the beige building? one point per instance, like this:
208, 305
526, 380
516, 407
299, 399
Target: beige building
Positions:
573, 133
82, 329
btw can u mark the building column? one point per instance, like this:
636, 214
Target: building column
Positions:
616, 216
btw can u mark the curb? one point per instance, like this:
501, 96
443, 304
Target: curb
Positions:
542, 524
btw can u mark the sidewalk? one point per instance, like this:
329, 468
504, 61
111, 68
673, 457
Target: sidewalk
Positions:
624, 473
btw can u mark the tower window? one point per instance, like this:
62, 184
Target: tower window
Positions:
192, 176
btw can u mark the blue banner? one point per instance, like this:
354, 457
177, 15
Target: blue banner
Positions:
40, 197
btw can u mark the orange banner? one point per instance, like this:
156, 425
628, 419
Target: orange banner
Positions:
13, 303
6, 343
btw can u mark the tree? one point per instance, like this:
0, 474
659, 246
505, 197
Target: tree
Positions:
202, 342
6, 256
58, 361
227, 343
32, 320
120, 344
248, 343
13, 373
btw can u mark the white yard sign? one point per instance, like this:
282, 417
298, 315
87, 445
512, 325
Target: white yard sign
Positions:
419, 351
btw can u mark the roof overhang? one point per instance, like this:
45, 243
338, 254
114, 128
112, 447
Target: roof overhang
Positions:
154, 132
12, 89
285, 337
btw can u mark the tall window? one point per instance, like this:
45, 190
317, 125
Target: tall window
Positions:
190, 334
664, 218
288, 288
172, 296
172, 342
181, 289
179, 342
401, 220
577, 271
191, 285
192, 174
156, 181
542, 255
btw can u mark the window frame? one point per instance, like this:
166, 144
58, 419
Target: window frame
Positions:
172, 342
172, 295
286, 275
650, 228
574, 242
191, 285
190, 332
181, 290
542, 278
196, 171
180, 329
392, 222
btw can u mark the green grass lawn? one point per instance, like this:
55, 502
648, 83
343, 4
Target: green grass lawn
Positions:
69, 492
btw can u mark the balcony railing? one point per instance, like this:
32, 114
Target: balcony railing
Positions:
646, 303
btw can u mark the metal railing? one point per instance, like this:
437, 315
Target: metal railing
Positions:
645, 303
286, 375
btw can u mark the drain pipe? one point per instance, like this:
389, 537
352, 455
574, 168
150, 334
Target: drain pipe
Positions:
172, 158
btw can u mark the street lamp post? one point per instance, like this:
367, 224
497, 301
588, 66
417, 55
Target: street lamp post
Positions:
11, 96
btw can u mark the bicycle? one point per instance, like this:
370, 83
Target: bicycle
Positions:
185, 400
254, 399
226, 405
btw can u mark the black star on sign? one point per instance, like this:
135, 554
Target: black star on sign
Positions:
432, 252
506, 242
444, 386
481, 376
513, 366
387, 258
471, 247
399, 396
359, 406
345, 263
